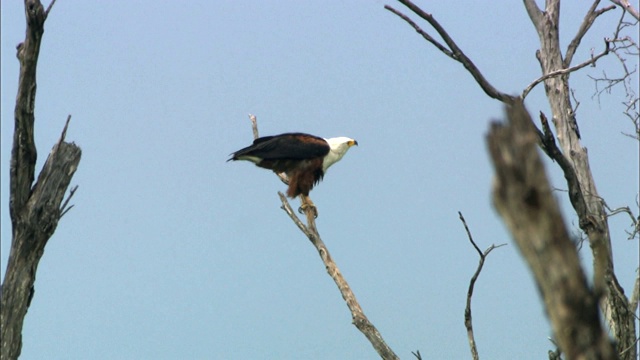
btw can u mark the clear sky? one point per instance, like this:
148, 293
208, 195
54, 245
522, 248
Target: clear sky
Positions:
172, 253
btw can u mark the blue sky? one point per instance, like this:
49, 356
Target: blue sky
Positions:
172, 253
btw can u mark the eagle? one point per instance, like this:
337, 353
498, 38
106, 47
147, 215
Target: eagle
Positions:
303, 158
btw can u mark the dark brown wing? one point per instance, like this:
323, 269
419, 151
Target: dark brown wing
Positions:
289, 146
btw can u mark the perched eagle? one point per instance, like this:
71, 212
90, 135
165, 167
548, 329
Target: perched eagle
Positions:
302, 157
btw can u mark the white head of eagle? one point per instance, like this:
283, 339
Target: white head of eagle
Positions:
302, 157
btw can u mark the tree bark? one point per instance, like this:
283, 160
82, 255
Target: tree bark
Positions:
523, 197
35, 209
590, 210
573, 158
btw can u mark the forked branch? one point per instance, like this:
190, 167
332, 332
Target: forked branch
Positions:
468, 321
565, 71
589, 19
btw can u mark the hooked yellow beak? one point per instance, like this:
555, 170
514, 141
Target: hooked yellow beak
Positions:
352, 143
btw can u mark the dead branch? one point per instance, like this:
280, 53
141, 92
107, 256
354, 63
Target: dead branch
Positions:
589, 18
359, 319
523, 197
565, 71
626, 5
49, 8
453, 51
254, 127
424, 34
468, 321
66, 207
626, 210
575, 192
621, 47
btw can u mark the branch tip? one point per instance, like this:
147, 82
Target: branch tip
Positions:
453, 51
63, 208
254, 126
64, 130
46, 13
468, 321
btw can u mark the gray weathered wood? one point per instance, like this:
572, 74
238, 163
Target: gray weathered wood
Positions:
523, 197
35, 208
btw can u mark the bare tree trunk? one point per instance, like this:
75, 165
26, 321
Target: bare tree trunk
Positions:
523, 197
590, 209
618, 310
35, 209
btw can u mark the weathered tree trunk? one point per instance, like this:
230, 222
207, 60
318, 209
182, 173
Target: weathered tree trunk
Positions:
523, 197
590, 209
618, 310
35, 209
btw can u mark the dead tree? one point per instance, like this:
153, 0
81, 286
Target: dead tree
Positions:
570, 155
523, 197
35, 208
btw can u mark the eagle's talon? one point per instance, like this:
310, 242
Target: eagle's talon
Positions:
303, 209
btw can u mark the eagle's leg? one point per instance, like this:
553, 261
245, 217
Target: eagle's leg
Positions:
307, 204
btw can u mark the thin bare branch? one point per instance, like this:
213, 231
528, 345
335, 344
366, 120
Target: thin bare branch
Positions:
64, 130
254, 126
453, 51
49, 8
468, 321
359, 319
589, 18
424, 34
256, 134
624, 48
64, 209
591, 61
635, 223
